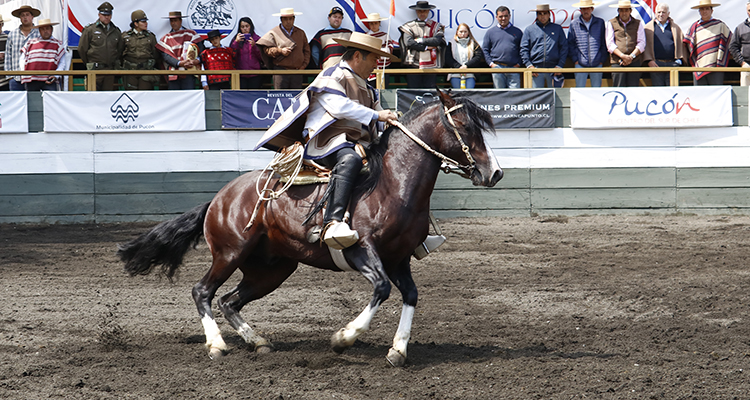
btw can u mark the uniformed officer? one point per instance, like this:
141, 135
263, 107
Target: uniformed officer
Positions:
139, 52
100, 46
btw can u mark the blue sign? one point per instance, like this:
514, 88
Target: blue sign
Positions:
254, 109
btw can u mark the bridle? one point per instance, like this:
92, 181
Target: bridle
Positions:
449, 165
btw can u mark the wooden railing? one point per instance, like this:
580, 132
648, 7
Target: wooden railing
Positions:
381, 74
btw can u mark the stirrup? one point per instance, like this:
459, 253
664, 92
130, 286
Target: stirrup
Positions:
431, 243
339, 236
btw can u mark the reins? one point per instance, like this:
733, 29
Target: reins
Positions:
465, 170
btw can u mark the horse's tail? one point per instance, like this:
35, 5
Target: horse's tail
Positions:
164, 245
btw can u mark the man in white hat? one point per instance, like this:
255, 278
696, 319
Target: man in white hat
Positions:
285, 47
340, 111
626, 41
423, 45
587, 46
543, 45
739, 46
44, 53
664, 46
373, 22
324, 51
17, 38
707, 43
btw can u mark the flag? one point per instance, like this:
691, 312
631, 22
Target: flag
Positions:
393, 7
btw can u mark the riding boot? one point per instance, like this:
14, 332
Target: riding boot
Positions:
431, 243
337, 233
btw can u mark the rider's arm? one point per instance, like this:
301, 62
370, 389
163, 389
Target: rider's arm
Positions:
341, 107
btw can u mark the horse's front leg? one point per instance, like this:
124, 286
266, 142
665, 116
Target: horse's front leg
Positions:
368, 263
401, 277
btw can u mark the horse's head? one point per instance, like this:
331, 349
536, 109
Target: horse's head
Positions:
465, 123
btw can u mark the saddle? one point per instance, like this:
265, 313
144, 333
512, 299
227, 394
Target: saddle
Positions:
286, 162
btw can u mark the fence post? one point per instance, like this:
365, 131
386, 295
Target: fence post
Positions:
528, 80
674, 77
91, 81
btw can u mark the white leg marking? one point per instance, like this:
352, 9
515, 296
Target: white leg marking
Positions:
348, 335
249, 335
214, 341
403, 334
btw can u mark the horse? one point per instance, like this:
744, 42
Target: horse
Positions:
390, 213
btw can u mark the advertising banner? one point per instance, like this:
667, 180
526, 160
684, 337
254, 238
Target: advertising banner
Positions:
254, 109
652, 107
147, 111
14, 112
510, 109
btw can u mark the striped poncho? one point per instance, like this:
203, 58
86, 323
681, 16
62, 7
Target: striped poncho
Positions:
177, 45
41, 55
707, 43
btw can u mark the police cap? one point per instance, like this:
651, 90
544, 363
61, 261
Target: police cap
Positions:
138, 15
105, 8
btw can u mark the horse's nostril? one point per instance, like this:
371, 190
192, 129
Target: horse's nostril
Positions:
497, 176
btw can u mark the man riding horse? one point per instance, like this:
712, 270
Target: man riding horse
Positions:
340, 112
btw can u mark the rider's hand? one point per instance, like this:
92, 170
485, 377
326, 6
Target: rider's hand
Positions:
387, 116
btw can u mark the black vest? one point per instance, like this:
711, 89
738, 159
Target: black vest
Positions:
663, 42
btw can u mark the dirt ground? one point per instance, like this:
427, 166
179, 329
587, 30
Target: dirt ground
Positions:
601, 307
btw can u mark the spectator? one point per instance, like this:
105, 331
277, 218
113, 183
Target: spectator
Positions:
139, 52
100, 46
664, 46
217, 57
626, 41
3, 39
17, 38
324, 51
468, 54
587, 45
373, 21
501, 47
707, 42
544, 46
44, 53
739, 46
423, 45
247, 53
285, 47
179, 50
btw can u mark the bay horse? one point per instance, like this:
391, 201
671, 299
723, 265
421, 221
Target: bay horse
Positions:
391, 216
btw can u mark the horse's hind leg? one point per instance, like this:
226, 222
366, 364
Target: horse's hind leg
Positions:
401, 277
258, 280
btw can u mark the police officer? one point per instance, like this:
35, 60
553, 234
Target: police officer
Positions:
139, 52
100, 46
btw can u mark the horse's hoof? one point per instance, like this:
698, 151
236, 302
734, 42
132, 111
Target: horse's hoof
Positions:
263, 348
337, 342
215, 353
395, 358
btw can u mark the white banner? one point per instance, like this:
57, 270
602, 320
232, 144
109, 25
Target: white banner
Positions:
652, 107
147, 111
204, 15
14, 112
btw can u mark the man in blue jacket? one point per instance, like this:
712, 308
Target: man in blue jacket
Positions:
543, 46
586, 43
501, 47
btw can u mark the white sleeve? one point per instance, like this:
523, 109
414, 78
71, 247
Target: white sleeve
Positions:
341, 107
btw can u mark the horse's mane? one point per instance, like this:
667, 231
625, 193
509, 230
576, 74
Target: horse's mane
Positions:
477, 122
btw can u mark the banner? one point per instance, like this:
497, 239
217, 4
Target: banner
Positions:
254, 109
652, 107
146, 111
224, 15
14, 112
510, 109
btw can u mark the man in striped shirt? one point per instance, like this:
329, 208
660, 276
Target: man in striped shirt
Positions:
17, 38
707, 43
44, 53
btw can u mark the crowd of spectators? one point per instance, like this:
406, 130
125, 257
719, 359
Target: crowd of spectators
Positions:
591, 42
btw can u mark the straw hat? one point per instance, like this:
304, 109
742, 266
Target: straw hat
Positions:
3, 19
622, 4
45, 22
34, 12
704, 3
586, 4
174, 14
374, 17
364, 41
542, 7
286, 12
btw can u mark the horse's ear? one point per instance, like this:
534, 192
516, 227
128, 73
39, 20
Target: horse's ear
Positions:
445, 98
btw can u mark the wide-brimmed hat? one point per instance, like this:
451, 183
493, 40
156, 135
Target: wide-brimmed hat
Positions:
586, 4
541, 7
422, 5
286, 12
174, 14
45, 22
3, 19
34, 12
622, 4
374, 17
364, 41
705, 3
214, 33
